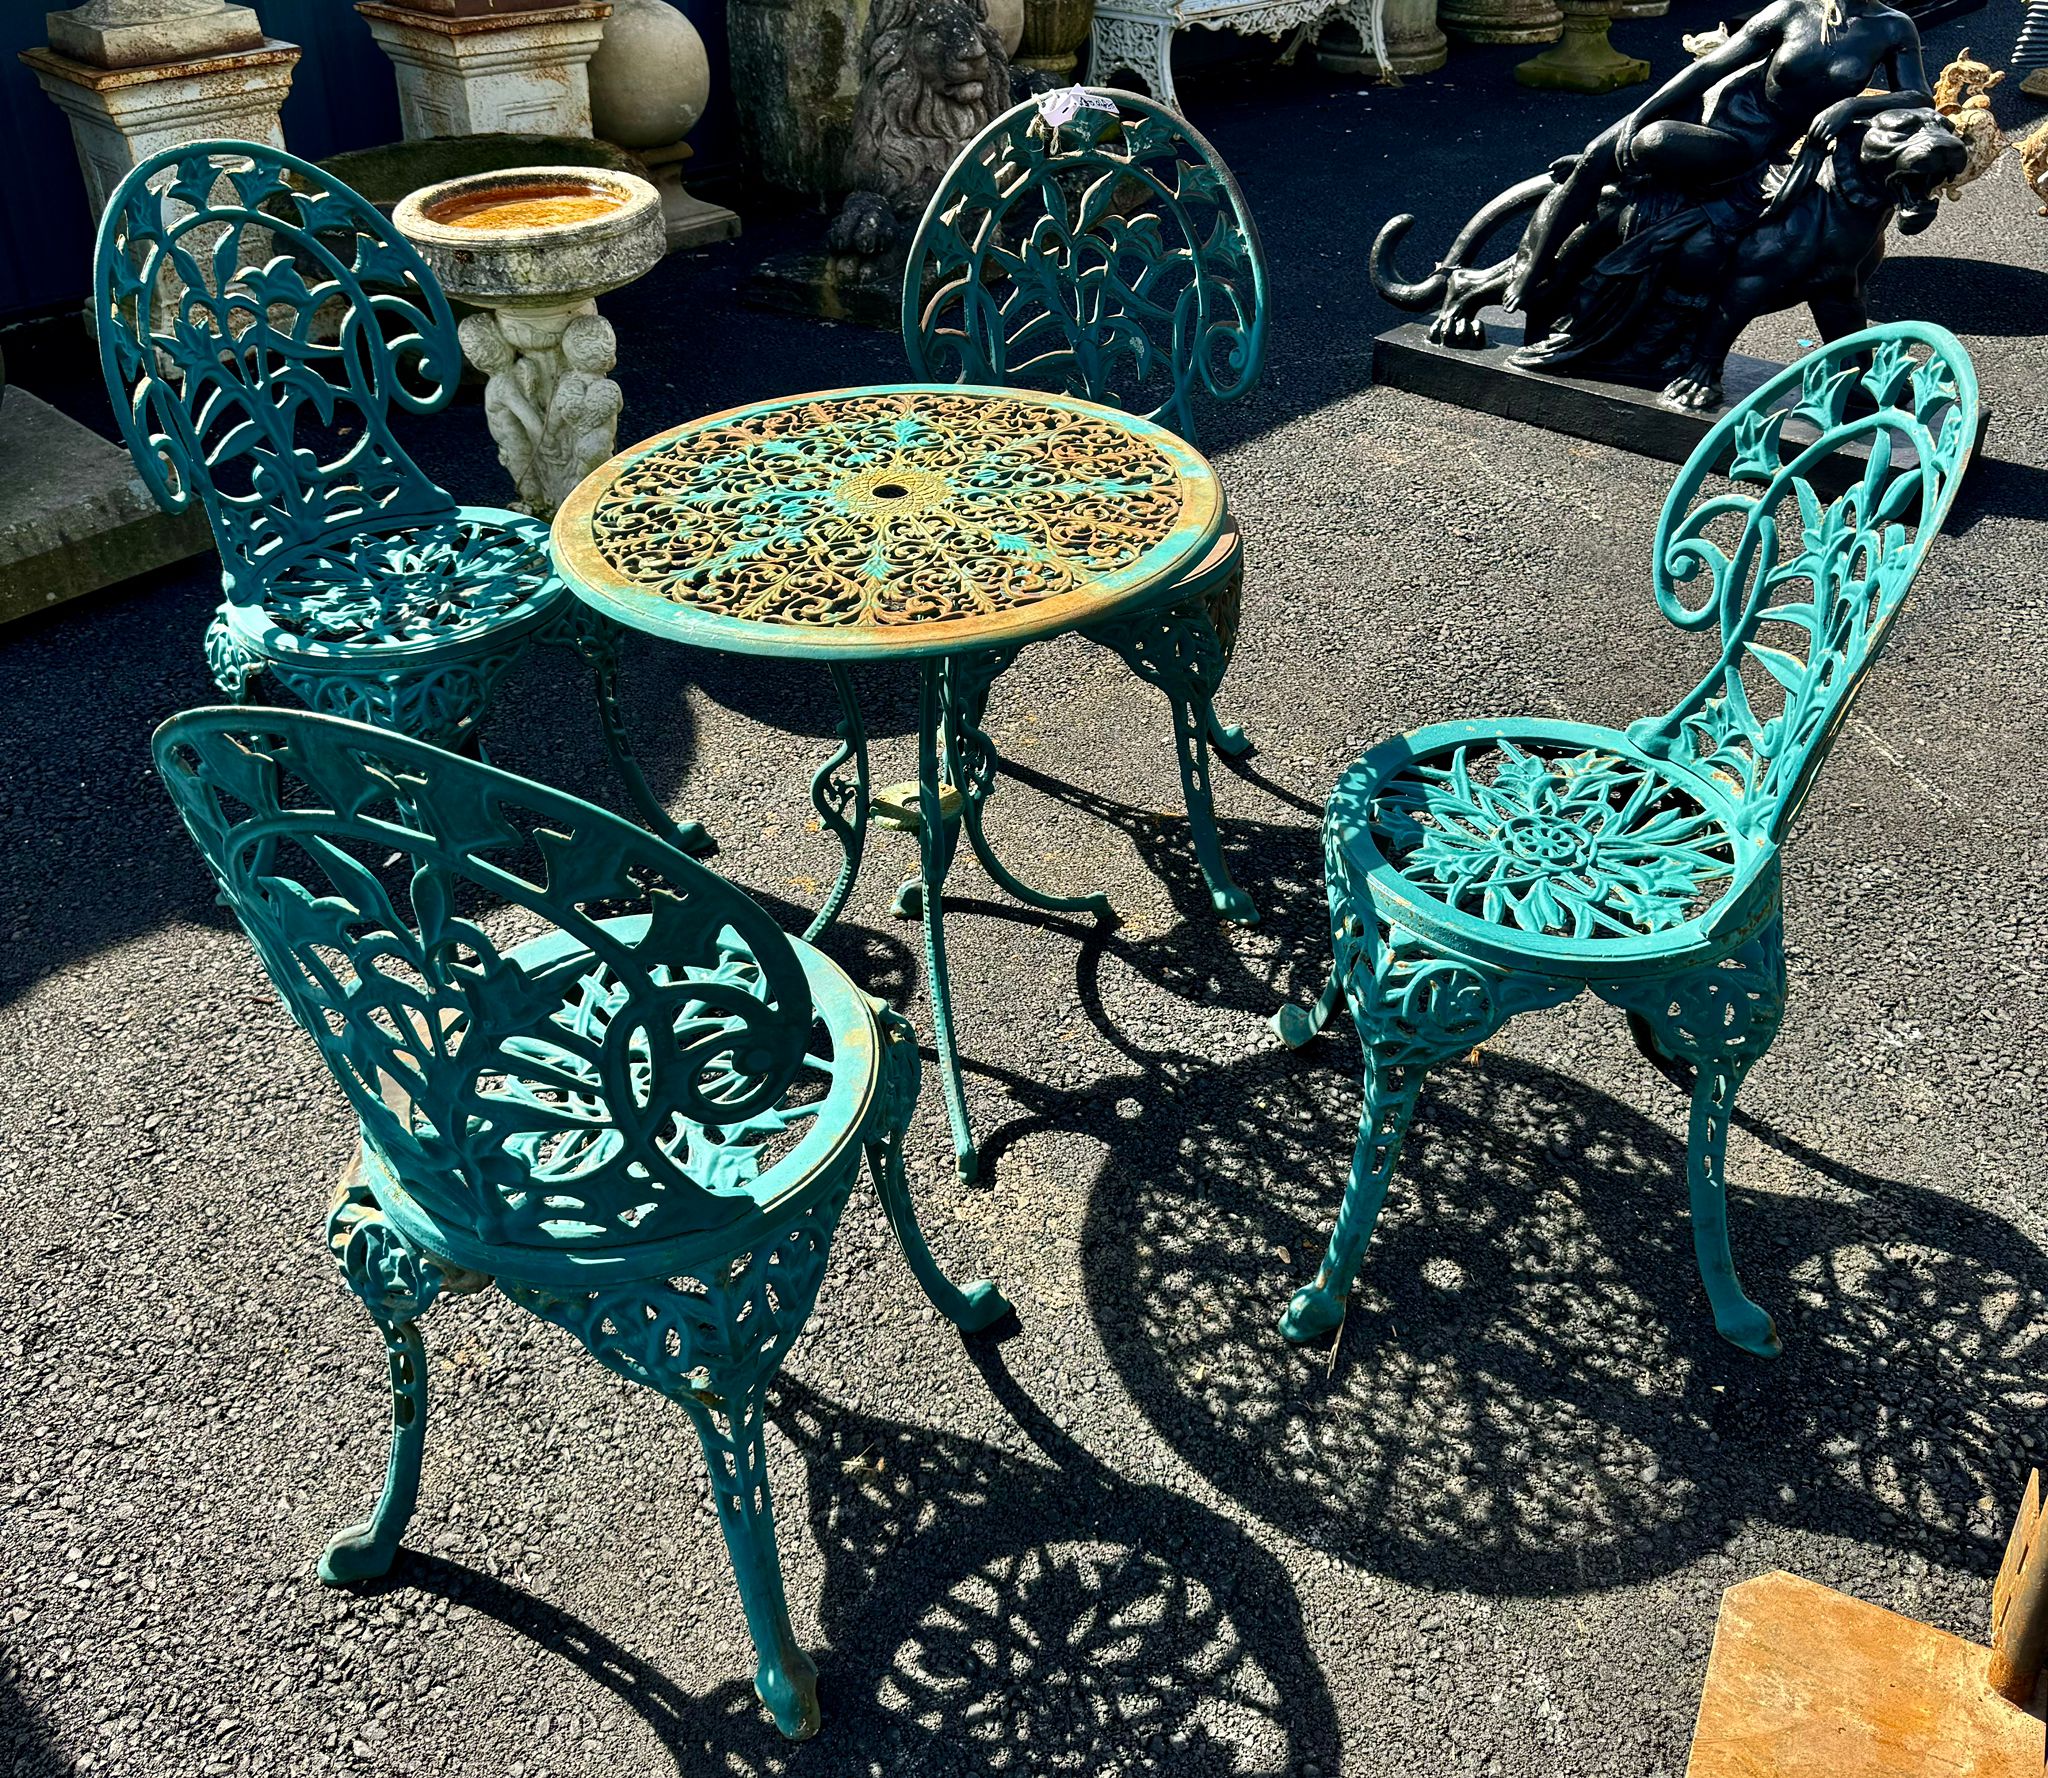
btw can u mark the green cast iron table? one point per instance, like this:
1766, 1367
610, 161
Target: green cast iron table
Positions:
940, 523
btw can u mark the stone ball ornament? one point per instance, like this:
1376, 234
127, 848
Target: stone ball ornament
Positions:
650, 79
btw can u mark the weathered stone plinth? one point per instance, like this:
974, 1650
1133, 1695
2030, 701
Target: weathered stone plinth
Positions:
692, 221
463, 73
122, 116
136, 33
1617, 414
74, 515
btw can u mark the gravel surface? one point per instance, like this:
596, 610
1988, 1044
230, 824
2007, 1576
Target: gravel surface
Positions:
1143, 1534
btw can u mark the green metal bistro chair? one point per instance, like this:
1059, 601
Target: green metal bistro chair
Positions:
1481, 869
258, 322
585, 1067
1110, 256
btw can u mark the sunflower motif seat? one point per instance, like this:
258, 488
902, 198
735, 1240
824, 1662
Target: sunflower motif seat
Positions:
1481, 869
584, 1068
1101, 249
259, 323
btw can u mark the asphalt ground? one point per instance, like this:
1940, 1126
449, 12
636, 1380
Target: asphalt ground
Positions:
1143, 1534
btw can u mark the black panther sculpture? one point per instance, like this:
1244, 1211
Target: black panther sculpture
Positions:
1648, 252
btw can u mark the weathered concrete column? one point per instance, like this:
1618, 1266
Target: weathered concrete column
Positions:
136, 76
467, 67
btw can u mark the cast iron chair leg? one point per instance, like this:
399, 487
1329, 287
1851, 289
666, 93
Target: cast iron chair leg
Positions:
397, 1284
1414, 1007
1390, 1097
232, 665
1736, 1318
364, 1551
980, 1304
1706, 1029
1178, 651
730, 1425
598, 643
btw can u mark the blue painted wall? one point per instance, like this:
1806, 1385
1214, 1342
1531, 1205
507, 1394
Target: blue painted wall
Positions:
343, 96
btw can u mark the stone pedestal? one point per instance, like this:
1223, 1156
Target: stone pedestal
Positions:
134, 33
1501, 21
462, 73
692, 221
550, 401
1585, 62
649, 83
74, 515
121, 116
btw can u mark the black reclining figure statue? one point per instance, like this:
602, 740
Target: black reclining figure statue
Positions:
1763, 176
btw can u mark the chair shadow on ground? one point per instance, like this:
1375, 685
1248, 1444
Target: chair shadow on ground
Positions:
986, 1611
91, 851
1529, 1397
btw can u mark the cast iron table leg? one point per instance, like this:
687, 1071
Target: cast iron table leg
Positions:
842, 807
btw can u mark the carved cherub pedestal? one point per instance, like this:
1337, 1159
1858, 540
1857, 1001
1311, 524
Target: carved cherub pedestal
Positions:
533, 249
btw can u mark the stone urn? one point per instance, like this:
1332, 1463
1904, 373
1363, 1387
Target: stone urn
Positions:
1414, 44
532, 248
649, 83
1007, 18
1054, 32
1501, 21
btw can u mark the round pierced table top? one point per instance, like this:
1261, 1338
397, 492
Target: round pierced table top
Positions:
908, 519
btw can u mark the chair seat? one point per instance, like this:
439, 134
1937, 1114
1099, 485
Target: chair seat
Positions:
569, 1219
420, 588
1555, 846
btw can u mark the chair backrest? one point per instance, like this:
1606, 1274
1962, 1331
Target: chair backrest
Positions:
1803, 590
609, 1083
1109, 257
258, 321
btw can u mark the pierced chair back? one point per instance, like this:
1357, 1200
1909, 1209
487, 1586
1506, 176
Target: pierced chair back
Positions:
258, 322
561, 1034
1803, 591
1109, 257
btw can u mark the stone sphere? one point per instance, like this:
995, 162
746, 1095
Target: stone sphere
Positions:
650, 78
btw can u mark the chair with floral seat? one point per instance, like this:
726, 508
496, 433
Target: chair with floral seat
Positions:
584, 1067
258, 323
1481, 869
1101, 249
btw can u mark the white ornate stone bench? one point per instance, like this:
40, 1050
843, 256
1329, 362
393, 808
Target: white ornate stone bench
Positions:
1136, 36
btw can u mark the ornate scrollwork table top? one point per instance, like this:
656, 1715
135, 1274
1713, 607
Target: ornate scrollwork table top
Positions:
902, 520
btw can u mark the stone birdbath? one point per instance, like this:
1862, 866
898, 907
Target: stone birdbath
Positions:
532, 248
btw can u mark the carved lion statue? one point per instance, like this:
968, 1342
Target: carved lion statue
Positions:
933, 75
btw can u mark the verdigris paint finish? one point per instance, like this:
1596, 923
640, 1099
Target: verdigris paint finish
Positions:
641, 1120
259, 322
1481, 869
947, 525
795, 78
